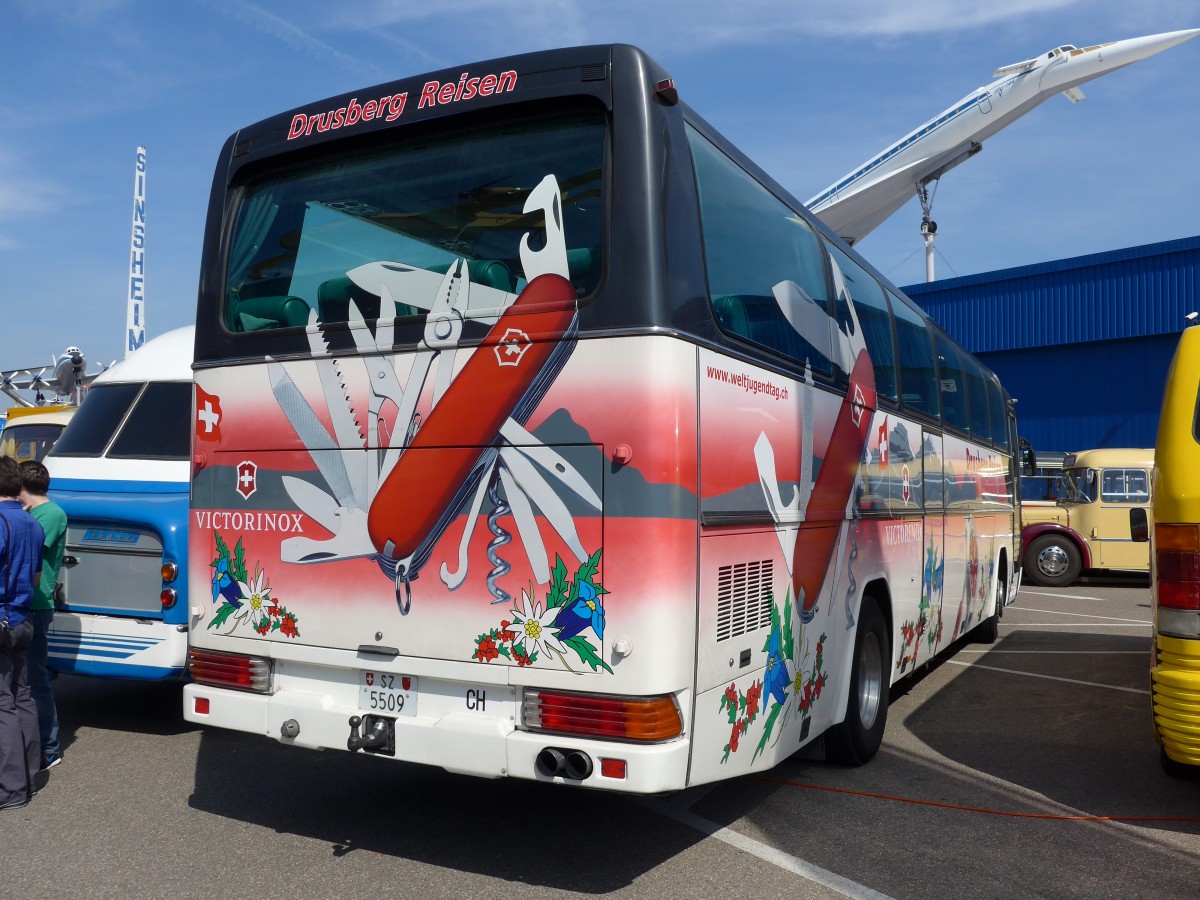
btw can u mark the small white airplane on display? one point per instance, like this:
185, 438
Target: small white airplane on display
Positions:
857, 203
62, 380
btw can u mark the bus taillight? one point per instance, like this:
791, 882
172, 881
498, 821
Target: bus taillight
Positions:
1177, 569
621, 718
230, 670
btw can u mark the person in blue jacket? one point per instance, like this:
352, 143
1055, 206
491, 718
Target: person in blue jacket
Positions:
20, 571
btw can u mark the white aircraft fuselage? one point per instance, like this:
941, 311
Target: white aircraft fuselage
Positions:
857, 203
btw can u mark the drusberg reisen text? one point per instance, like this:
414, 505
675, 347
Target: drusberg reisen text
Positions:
390, 107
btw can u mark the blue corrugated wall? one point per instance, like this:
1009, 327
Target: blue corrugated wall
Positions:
1083, 343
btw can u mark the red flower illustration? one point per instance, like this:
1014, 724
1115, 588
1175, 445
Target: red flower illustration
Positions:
487, 650
733, 738
288, 625
752, 697
731, 695
505, 634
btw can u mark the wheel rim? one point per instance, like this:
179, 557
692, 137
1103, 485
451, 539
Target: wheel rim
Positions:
1053, 561
870, 681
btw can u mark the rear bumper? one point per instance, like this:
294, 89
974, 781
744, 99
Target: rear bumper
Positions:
1175, 692
116, 647
468, 728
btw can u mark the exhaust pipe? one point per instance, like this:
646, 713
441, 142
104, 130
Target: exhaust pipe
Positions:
554, 762
550, 762
578, 765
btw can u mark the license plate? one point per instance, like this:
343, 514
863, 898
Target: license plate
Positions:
384, 692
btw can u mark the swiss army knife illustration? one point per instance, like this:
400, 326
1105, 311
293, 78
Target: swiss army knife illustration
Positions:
827, 503
393, 502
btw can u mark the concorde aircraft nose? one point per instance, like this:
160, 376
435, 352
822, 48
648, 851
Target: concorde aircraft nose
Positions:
1074, 66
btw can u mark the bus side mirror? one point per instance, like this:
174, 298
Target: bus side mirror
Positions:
1139, 525
1028, 463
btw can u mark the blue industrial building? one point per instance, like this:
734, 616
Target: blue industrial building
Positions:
1083, 344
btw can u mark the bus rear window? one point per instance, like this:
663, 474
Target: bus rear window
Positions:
97, 421
23, 442
158, 427
380, 228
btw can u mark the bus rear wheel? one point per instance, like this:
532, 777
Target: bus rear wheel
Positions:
988, 631
1052, 561
1176, 769
855, 740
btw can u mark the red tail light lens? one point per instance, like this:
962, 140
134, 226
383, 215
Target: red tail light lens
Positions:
230, 670
620, 718
168, 597
1177, 565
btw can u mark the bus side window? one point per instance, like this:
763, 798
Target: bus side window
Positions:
871, 305
977, 400
918, 367
953, 385
998, 412
1125, 486
766, 274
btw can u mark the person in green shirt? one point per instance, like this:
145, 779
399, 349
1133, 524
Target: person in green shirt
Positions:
35, 482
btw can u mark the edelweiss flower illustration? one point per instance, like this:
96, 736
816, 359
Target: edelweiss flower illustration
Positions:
533, 627
256, 597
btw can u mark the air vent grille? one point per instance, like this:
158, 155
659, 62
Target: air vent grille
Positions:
743, 598
594, 73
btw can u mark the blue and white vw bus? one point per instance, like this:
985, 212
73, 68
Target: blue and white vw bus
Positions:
120, 472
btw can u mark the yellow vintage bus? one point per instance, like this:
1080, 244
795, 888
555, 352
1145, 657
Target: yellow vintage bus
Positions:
1175, 544
1088, 527
30, 431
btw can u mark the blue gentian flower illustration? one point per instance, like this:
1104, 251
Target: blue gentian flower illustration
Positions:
586, 612
777, 679
223, 584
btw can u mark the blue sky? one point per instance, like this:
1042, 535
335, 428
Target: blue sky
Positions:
807, 92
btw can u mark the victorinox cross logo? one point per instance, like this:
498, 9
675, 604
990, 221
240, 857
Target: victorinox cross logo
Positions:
247, 478
512, 347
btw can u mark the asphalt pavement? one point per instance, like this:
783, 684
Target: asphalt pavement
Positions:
1025, 768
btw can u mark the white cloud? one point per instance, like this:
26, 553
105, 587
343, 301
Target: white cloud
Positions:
700, 24
23, 193
286, 31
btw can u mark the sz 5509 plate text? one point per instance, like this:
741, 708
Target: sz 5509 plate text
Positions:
384, 692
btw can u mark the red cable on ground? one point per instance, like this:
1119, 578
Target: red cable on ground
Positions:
976, 809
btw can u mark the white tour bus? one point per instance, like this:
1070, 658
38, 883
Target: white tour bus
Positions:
541, 434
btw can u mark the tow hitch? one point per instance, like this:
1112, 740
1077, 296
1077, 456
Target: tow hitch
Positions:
378, 735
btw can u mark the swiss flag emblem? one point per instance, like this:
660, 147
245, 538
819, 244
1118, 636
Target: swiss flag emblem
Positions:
247, 478
208, 415
370, 678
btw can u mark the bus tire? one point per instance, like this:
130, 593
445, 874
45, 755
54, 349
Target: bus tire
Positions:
1176, 769
988, 631
1052, 561
856, 739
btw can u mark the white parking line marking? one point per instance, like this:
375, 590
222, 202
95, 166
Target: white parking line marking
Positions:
1025, 591
1055, 612
1129, 624
785, 861
1111, 687
1058, 652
